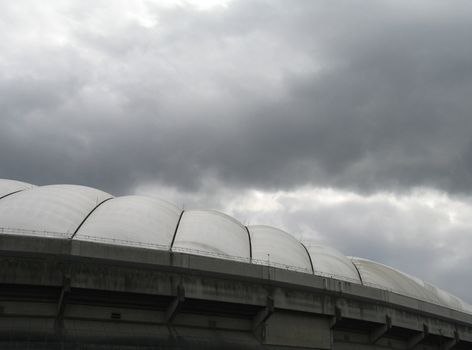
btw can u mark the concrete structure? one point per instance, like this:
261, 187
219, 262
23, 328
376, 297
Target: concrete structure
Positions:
81, 269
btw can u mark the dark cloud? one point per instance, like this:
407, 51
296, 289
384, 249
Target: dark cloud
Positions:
262, 94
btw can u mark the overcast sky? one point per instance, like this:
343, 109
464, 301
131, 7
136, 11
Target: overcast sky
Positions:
347, 122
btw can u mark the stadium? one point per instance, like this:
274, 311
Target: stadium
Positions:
81, 269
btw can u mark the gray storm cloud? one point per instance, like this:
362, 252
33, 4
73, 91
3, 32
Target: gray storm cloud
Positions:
261, 93
364, 97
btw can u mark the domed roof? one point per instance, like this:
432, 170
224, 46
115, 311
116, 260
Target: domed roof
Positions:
208, 232
84, 213
331, 262
132, 220
56, 210
385, 277
272, 246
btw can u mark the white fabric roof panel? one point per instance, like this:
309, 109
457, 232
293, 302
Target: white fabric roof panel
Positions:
446, 299
385, 277
11, 186
328, 261
211, 233
271, 246
132, 220
55, 210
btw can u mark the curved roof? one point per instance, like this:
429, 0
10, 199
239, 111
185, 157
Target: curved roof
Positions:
448, 299
84, 213
385, 277
328, 261
209, 232
271, 246
132, 220
56, 210
8, 187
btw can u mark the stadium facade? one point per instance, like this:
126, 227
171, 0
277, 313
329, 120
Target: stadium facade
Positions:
81, 269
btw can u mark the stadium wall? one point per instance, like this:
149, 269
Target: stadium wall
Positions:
71, 294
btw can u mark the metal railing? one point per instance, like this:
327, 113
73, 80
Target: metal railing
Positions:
41, 233
193, 251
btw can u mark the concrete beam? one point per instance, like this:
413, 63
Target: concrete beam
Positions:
381, 330
338, 315
175, 305
62, 297
450, 343
417, 338
61, 304
264, 314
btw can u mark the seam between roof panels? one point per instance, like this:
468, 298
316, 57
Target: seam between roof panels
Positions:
309, 257
9, 194
250, 243
358, 272
86, 217
176, 228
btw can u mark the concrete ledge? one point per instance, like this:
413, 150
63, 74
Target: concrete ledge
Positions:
165, 261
